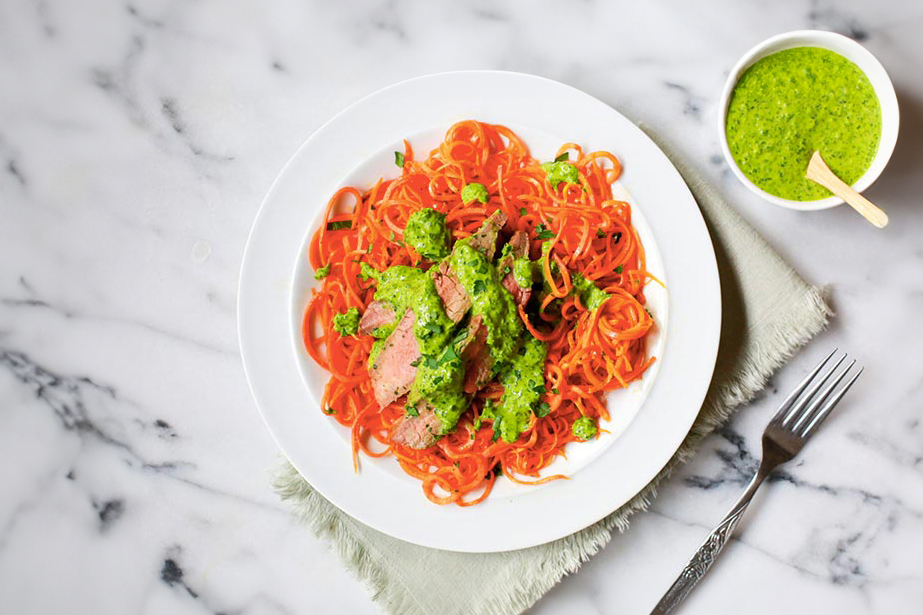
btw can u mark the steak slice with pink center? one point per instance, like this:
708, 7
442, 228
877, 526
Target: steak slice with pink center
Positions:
485, 238
419, 431
392, 373
476, 356
455, 300
377, 314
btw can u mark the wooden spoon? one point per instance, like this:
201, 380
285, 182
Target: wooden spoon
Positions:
818, 172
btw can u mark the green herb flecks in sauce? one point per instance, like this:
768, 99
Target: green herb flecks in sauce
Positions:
322, 272
561, 171
584, 428
795, 102
489, 299
523, 388
522, 272
427, 233
590, 295
474, 192
346, 323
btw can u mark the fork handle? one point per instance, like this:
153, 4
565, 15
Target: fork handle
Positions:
703, 559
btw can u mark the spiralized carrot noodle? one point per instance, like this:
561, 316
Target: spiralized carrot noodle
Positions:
589, 352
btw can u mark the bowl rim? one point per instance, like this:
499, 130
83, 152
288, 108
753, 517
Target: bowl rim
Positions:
882, 86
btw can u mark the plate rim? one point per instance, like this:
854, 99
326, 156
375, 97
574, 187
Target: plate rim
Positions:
706, 358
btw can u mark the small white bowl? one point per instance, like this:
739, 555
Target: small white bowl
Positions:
855, 53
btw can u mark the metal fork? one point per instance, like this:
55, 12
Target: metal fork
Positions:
793, 425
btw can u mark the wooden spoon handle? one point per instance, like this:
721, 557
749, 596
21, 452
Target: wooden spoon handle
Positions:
820, 173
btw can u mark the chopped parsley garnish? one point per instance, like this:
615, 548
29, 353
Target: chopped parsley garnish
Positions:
432, 328
542, 410
399, 159
460, 337
411, 410
599, 233
427, 360
563, 157
523, 211
339, 225
322, 272
448, 355
619, 269
497, 422
542, 233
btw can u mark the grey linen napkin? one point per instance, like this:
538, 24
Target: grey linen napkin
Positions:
768, 313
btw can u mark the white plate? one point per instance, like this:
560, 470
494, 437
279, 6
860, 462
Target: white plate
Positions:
649, 420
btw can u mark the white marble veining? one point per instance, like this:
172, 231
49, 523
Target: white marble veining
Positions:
136, 142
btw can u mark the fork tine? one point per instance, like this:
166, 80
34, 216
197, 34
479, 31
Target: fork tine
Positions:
797, 411
825, 411
809, 412
787, 404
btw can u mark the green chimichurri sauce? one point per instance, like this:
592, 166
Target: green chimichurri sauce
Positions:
474, 192
590, 295
795, 102
523, 387
322, 272
346, 323
427, 233
522, 272
584, 428
561, 171
481, 280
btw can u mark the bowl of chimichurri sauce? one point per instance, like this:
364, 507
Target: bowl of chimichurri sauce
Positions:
799, 92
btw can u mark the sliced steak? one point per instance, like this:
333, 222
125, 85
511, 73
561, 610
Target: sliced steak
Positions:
485, 238
455, 300
419, 431
392, 373
519, 248
476, 355
378, 314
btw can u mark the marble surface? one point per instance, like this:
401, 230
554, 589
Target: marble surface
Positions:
136, 143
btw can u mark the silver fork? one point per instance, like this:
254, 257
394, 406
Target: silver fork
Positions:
793, 425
